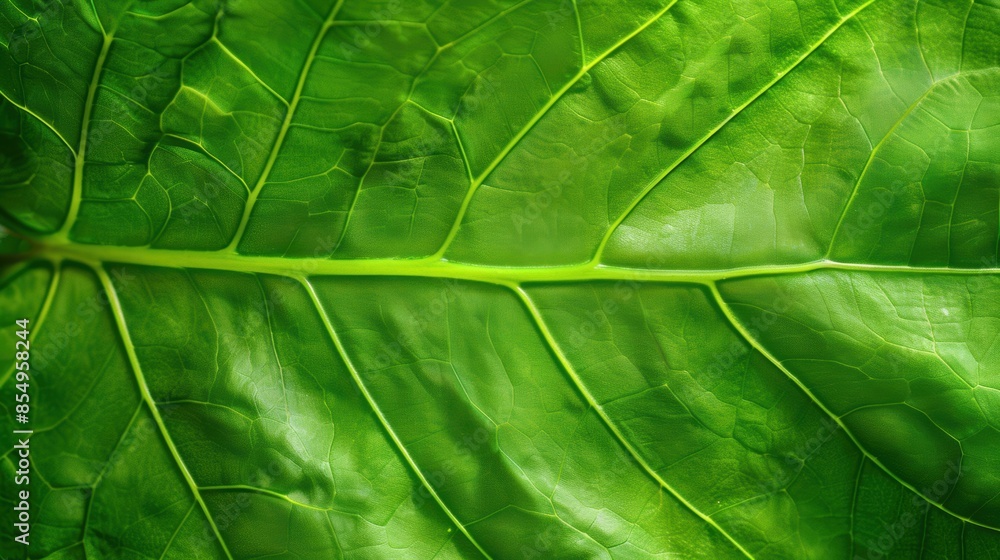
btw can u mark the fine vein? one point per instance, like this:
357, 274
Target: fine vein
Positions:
285, 125
731, 317
457, 224
42, 314
147, 397
381, 417
662, 175
611, 426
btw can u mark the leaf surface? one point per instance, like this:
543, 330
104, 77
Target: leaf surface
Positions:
511, 279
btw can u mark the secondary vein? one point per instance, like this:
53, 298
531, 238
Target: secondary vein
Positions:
42, 314
332, 333
701, 142
285, 126
584, 70
756, 345
611, 426
81, 152
147, 397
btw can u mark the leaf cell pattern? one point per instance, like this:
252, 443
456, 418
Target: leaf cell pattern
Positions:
504, 279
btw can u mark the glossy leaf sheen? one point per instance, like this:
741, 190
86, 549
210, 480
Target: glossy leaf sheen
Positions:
505, 279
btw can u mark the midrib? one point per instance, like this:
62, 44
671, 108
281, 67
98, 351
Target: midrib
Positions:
440, 268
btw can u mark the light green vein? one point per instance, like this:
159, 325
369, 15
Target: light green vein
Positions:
409, 100
332, 333
579, 31
104, 469
81, 153
269, 493
243, 65
198, 147
96, 254
147, 397
878, 147
285, 126
47, 124
42, 314
176, 532
731, 317
701, 142
854, 496
584, 70
611, 426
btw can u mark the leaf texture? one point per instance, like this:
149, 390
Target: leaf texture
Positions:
504, 279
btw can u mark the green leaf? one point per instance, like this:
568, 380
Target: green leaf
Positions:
502, 279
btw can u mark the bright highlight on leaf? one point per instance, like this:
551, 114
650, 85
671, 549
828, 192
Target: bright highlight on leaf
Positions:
499, 279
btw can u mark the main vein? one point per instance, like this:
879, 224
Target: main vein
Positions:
438, 268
